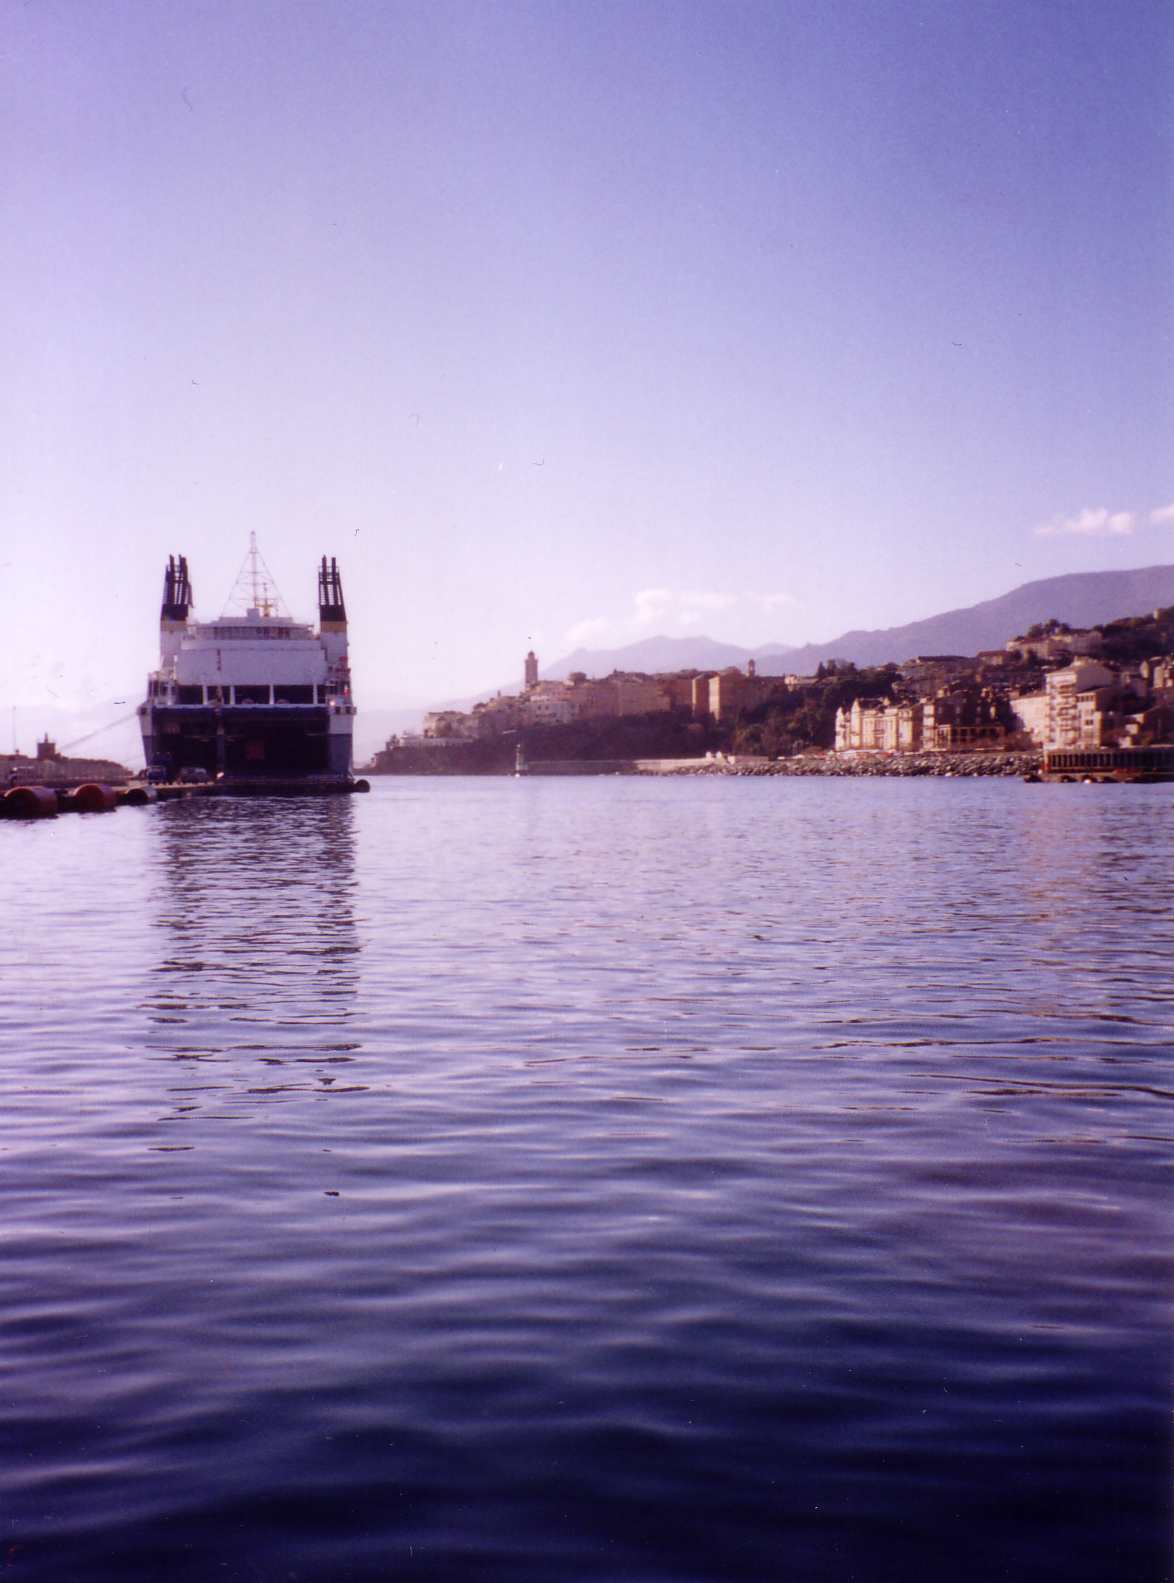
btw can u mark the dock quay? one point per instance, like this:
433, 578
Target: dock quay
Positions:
1110, 764
45, 800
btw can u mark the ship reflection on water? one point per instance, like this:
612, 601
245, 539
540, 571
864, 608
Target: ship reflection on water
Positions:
258, 959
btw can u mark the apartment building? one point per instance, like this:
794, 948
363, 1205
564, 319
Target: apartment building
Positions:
1063, 688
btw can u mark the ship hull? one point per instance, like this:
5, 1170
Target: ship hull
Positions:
251, 742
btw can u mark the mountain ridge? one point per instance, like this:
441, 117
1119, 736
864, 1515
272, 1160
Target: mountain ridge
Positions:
1080, 598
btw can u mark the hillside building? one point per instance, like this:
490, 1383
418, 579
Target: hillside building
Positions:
593, 698
547, 704
860, 727
1058, 645
719, 695
964, 721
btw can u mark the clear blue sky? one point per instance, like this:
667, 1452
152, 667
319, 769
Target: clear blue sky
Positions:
570, 321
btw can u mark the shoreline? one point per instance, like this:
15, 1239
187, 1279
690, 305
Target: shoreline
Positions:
998, 764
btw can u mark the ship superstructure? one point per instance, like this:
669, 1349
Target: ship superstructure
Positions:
250, 697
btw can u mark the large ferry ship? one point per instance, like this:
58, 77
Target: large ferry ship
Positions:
250, 698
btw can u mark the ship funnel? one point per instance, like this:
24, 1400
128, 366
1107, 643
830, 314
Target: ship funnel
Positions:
331, 606
177, 590
332, 618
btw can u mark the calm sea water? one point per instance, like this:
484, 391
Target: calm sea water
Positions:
590, 1179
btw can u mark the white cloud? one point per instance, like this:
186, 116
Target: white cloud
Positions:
1092, 522
671, 610
1163, 515
652, 604
595, 629
676, 606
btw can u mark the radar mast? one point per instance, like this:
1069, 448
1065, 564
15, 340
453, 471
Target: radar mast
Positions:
255, 588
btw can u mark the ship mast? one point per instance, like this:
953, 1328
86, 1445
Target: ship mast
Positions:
255, 588
260, 589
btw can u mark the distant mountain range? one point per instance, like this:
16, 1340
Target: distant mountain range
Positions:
1082, 599
662, 654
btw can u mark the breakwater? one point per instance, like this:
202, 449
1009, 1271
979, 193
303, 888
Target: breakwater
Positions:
903, 764
838, 764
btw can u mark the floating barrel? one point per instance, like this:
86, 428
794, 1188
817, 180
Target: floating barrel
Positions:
95, 798
138, 795
30, 802
362, 786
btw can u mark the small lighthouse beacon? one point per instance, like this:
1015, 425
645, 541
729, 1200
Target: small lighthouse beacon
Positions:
530, 670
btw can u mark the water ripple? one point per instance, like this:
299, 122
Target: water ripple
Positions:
591, 1179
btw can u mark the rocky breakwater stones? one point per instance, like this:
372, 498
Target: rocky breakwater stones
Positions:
879, 764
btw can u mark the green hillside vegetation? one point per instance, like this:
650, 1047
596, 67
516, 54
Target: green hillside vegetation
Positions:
1127, 640
1132, 639
673, 735
662, 735
793, 721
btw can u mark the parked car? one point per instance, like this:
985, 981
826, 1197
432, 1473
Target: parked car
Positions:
157, 774
193, 775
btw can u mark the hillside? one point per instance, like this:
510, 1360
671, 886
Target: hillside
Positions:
1082, 599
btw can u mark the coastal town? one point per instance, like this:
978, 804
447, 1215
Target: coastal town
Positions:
1050, 689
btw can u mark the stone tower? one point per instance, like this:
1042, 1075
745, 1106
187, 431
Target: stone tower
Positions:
530, 673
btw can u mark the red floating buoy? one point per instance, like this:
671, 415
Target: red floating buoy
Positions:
29, 802
95, 798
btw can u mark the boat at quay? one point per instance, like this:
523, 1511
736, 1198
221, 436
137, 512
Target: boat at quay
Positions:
254, 702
